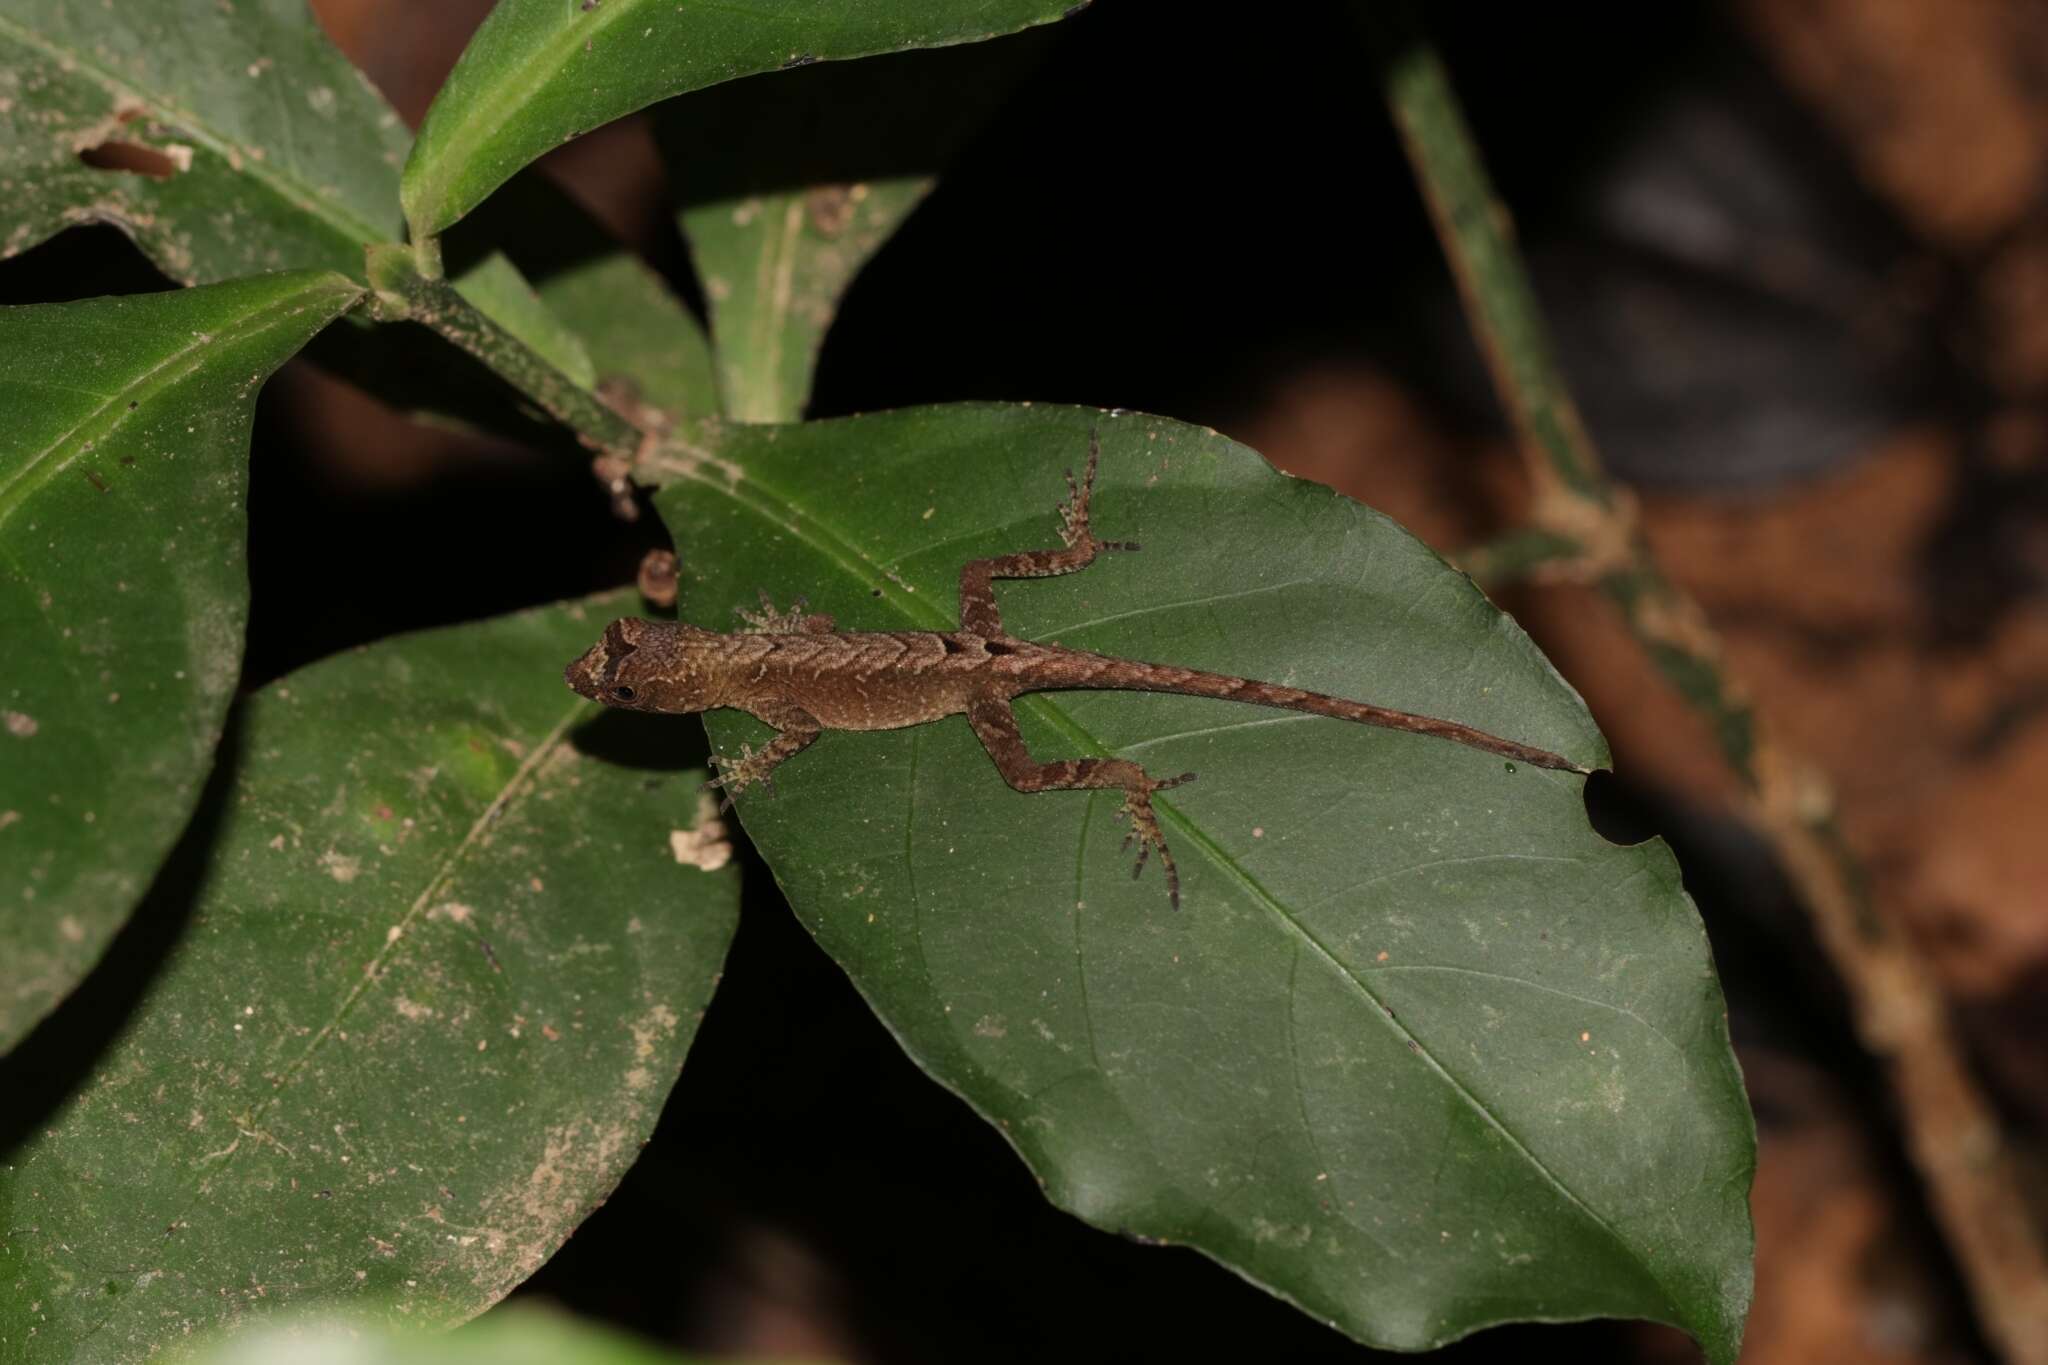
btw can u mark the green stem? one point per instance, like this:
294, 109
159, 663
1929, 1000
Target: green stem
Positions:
1518, 554
404, 292
426, 254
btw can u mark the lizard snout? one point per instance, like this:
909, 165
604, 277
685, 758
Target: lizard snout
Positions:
585, 675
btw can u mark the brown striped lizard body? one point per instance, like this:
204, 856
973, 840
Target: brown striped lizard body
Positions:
799, 674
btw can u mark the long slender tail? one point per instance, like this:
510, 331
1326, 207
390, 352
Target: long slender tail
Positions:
1126, 675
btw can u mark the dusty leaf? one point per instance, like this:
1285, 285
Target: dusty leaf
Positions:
124, 441
1420, 1052
225, 139
425, 997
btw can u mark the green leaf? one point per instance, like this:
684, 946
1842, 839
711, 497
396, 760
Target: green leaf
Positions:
1420, 1053
124, 441
540, 72
635, 331
421, 1013
225, 139
513, 1335
622, 312
791, 182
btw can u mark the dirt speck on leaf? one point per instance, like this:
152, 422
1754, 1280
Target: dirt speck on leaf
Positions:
704, 848
657, 1024
19, 724
341, 866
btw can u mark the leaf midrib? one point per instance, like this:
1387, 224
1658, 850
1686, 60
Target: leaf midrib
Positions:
293, 191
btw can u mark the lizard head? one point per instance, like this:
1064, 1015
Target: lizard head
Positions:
647, 666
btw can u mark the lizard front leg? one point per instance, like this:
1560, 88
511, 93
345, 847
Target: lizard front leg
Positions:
795, 729
795, 621
995, 724
978, 614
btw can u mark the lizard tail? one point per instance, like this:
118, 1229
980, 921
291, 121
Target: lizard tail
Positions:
1128, 675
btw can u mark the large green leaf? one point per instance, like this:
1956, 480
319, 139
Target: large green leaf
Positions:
422, 1013
226, 139
124, 440
539, 72
791, 182
1421, 1052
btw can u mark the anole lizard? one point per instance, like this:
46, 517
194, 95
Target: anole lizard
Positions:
799, 674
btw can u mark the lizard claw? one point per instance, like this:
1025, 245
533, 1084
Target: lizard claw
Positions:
735, 775
1144, 831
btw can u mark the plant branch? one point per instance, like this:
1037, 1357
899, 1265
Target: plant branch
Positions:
404, 292
1525, 553
1951, 1130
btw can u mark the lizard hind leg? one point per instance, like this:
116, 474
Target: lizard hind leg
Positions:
995, 724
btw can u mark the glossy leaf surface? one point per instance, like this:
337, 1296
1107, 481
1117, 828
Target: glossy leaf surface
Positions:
124, 444
540, 72
1420, 1053
422, 1002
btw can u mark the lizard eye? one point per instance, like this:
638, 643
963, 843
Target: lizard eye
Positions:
623, 693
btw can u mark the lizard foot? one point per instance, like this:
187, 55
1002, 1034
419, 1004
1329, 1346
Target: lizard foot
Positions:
735, 775
1074, 511
1144, 831
795, 621
1074, 528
